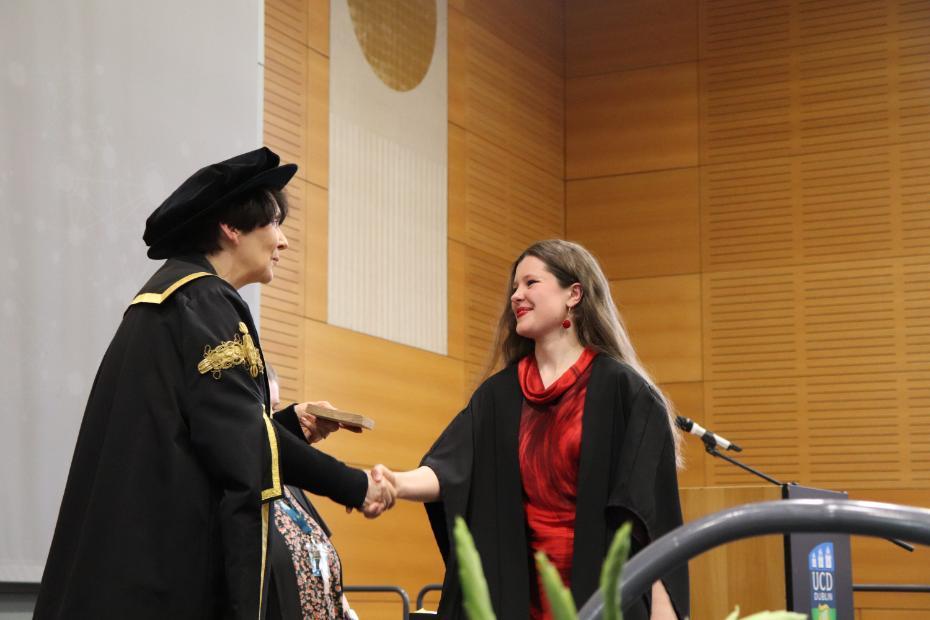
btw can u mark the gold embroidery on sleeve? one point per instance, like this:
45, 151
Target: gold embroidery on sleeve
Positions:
239, 350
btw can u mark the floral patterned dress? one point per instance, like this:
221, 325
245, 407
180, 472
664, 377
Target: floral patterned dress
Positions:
316, 563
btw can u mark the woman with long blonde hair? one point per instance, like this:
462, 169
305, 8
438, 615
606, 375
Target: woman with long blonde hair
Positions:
554, 452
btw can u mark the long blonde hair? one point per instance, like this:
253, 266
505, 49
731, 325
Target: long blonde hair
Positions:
596, 319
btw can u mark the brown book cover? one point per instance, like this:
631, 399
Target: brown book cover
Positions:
343, 417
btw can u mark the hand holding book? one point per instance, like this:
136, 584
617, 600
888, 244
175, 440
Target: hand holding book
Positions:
350, 421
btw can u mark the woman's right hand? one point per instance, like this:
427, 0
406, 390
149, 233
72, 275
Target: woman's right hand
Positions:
314, 428
380, 497
417, 485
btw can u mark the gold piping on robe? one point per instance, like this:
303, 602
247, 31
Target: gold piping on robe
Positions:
157, 298
275, 490
261, 582
232, 353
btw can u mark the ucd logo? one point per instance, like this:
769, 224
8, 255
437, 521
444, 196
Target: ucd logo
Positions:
823, 597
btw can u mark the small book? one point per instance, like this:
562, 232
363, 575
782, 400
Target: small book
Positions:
343, 417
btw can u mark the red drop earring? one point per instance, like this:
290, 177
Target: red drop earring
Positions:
566, 323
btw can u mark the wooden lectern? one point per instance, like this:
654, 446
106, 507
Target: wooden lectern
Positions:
749, 573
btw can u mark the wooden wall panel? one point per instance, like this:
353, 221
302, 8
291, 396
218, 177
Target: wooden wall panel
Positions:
286, 19
286, 288
877, 561
285, 120
749, 215
662, 316
532, 27
458, 295
458, 184
359, 373
845, 431
632, 121
762, 417
457, 63
605, 37
485, 288
638, 225
812, 193
733, 574
749, 324
914, 76
283, 346
316, 253
688, 400
504, 204
317, 130
898, 614
318, 26
867, 90
913, 184
282, 304
823, 207
508, 203
820, 321
505, 96
739, 28
746, 108
412, 395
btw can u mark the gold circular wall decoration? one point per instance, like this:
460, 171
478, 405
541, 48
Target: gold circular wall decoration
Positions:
397, 38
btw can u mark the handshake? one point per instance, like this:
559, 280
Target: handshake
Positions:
385, 486
382, 491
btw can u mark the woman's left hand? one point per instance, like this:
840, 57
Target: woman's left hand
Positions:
662, 608
314, 428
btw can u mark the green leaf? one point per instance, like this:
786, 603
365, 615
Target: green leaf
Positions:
611, 571
775, 615
560, 598
476, 599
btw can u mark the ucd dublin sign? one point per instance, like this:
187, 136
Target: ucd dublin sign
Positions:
818, 567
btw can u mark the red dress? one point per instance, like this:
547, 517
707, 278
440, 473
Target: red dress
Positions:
550, 447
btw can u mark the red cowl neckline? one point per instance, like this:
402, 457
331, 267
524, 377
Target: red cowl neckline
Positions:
532, 385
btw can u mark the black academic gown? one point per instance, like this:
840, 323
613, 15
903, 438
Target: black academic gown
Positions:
165, 512
626, 472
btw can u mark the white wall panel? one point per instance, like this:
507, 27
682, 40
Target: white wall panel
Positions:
387, 190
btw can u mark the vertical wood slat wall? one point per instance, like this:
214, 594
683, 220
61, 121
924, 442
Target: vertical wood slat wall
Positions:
506, 189
755, 177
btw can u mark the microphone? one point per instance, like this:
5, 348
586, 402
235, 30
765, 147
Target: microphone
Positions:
690, 426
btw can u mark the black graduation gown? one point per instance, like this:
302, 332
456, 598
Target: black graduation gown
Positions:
165, 512
626, 472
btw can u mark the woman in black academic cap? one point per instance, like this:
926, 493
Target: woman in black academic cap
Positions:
166, 509
557, 450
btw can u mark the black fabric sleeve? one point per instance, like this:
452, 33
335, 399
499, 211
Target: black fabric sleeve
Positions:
307, 468
287, 419
450, 458
224, 414
648, 484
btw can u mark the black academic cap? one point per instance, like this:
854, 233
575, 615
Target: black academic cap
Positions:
209, 189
